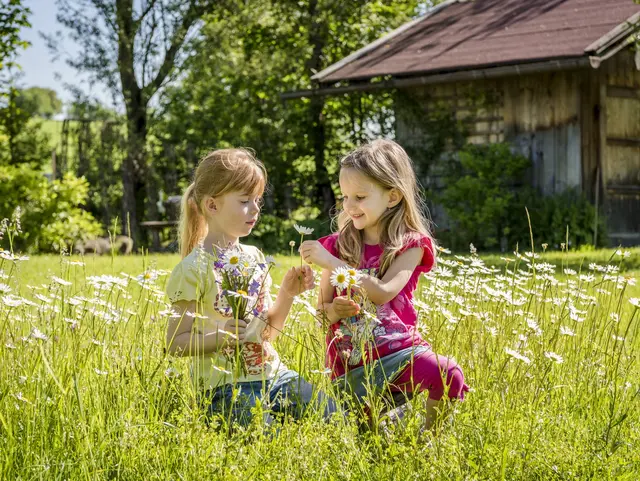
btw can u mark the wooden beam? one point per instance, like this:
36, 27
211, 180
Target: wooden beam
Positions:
620, 142
614, 91
623, 189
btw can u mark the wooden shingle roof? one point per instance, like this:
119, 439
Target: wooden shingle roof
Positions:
473, 34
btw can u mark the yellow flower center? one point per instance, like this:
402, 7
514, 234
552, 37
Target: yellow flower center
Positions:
340, 278
244, 293
233, 260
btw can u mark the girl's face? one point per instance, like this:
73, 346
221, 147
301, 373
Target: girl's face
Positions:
235, 213
365, 200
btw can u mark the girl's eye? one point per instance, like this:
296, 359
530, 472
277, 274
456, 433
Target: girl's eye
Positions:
359, 197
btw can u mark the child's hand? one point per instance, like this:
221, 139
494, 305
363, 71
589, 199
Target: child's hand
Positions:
314, 253
345, 307
237, 328
297, 280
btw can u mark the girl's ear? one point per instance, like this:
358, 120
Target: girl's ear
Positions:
395, 196
210, 205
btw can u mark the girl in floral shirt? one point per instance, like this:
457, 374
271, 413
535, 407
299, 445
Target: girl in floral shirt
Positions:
234, 364
372, 339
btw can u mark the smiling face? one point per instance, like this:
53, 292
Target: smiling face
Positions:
233, 215
365, 201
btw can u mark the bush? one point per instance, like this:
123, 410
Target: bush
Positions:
52, 216
551, 216
481, 186
485, 199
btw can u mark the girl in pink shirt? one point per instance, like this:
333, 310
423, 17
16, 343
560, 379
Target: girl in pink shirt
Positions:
372, 340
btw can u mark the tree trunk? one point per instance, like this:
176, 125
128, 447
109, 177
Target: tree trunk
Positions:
134, 166
317, 38
323, 191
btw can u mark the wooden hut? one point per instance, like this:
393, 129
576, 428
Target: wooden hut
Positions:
563, 81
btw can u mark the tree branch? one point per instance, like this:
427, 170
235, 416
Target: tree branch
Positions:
194, 12
145, 12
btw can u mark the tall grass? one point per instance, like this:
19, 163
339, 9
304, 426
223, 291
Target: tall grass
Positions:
86, 391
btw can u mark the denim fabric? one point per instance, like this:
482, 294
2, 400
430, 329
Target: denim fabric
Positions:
287, 394
376, 377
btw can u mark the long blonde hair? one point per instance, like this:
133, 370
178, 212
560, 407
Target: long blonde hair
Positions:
219, 172
388, 165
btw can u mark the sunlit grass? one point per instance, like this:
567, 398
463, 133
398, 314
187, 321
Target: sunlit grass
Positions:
86, 391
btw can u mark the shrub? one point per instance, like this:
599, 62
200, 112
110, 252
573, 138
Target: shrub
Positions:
485, 198
567, 217
52, 214
481, 187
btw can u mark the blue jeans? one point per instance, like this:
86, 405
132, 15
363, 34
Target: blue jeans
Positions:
286, 394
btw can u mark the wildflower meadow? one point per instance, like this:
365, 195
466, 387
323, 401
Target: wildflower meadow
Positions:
548, 342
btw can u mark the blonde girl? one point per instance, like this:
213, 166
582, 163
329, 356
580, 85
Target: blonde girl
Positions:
220, 207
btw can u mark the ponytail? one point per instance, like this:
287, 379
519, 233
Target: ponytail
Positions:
192, 227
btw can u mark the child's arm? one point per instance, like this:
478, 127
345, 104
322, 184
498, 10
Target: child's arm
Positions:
296, 281
182, 340
381, 291
337, 308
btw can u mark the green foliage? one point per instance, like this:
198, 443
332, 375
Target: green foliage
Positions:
273, 233
242, 63
13, 17
44, 101
52, 214
564, 218
487, 202
22, 141
480, 191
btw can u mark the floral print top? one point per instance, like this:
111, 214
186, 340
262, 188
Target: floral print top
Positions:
378, 330
198, 278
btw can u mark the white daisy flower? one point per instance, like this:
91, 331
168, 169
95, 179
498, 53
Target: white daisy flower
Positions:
554, 357
303, 230
238, 293
4, 289
38, 334
517, 355
233, 260
60, 281
148, 276
42, 298
565, 331
340, 278
635, 301
223, 371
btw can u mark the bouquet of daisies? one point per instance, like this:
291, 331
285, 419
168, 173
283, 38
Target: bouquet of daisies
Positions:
242, 281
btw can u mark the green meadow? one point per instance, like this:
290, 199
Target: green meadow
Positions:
548, 342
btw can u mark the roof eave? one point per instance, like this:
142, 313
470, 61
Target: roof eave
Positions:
613, 41
426, 78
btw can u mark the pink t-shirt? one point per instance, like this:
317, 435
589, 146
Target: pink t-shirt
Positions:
394, 326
